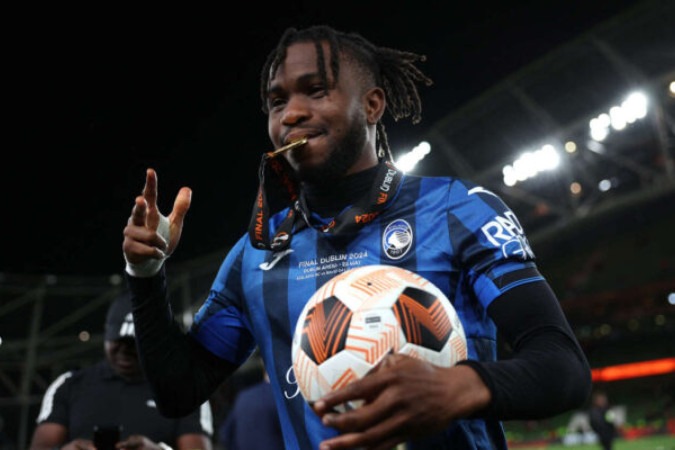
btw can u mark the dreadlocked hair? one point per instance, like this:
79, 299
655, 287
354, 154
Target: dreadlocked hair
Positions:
393, 70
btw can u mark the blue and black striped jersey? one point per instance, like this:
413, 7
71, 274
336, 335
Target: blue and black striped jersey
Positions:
456, 234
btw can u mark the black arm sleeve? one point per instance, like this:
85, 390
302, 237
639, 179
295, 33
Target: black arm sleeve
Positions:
548, 372
181, 372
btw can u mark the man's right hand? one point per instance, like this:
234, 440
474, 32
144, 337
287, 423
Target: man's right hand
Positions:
144, 238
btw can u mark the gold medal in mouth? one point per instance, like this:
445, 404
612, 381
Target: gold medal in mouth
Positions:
287, 147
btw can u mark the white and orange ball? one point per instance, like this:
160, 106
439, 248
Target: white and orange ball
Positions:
360, 316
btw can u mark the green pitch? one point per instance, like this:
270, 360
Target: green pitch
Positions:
665, 442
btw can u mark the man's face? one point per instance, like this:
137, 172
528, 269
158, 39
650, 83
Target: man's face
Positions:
123, 357
332, 117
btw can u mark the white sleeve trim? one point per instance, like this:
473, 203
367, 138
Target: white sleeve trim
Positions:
48, 400
206, 418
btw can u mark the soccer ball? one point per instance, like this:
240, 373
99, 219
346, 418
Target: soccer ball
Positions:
360, 316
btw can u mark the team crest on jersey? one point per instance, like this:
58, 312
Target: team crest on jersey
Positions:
397, 239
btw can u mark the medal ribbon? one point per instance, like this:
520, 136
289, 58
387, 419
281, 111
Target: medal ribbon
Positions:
279, 188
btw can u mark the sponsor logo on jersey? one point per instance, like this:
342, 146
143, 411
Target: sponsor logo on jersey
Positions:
397, 239
506, 232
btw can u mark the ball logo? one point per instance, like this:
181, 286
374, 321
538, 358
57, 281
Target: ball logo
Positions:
397, 239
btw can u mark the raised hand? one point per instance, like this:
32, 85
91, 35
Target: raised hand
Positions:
149, 236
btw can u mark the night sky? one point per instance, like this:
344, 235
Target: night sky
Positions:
95, 97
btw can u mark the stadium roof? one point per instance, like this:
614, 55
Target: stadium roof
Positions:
552, 101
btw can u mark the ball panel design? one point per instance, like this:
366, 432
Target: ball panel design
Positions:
310, 381
374, 334
359, 289
325, 329
315, 380
342, 369
458, 350
422, 318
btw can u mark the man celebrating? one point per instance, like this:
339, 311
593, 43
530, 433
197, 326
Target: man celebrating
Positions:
331, 192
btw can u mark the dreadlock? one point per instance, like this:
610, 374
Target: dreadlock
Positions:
393, 70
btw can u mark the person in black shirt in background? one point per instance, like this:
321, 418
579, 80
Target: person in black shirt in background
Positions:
114, 392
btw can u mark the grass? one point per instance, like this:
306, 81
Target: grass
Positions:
660, 442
